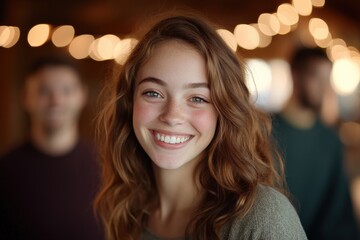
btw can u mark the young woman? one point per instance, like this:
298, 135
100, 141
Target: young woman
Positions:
184, 151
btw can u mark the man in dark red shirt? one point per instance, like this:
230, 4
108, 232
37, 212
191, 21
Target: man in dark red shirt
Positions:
47, 185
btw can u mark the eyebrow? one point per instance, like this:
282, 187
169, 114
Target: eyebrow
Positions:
163, 83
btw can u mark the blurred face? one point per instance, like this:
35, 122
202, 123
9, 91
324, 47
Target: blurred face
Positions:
313, 82
54, 97
174, 119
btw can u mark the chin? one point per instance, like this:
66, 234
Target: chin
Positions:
168, 164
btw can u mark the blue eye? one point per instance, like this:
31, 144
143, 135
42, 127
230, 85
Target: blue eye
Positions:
152, 94
198, 100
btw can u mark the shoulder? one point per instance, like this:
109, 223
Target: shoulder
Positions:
86, 147
271, 217
16, 153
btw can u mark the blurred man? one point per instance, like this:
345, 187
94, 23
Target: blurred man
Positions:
47, 184
313, 153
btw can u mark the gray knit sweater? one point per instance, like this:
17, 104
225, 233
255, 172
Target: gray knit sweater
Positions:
272, 217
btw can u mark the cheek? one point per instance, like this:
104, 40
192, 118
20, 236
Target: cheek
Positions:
143, 113
204, 120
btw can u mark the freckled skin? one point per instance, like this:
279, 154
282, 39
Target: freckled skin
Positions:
170, 107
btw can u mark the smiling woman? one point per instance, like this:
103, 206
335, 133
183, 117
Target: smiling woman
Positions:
185, 153
176, 107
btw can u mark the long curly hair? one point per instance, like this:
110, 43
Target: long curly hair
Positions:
239, 158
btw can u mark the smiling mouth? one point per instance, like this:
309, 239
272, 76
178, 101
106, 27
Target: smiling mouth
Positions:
172, 139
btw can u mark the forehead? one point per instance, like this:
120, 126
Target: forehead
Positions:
174, 59
54, 76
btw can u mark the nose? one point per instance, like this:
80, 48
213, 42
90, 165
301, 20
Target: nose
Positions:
55, 98
173, 113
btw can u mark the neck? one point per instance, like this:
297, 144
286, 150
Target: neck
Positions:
176, 188
298, 115
56, 141
179, 196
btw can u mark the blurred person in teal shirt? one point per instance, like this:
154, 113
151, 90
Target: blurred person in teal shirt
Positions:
313, 152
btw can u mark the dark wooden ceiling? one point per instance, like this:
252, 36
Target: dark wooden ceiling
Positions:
119, 16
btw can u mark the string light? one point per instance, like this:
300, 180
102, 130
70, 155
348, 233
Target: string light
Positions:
79, 46
303, 7
318, 28
247, 36
63, 35
287, 14
123, 49
9, 36
229, 38
264, 40
268, 24
38, 35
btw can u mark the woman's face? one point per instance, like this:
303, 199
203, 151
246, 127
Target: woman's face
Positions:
174, 119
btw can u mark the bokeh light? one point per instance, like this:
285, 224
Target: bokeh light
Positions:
123, 49
345, 76
318, 3
106, 46
38, 35
79, 46
229, 38
268, 24
318, 28
287, 14
303, 7
324, 43
281, 84
9, 36
247, 36
258, 77
264, 40
63, 35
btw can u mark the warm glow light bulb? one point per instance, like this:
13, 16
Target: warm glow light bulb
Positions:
4, 34
13, 37
268, 24
303, 7
94, 51
281, 84
79, 46
228, 38
247, 36
318, 28
123, 49
339, 51
318, 3
287, 14
264, 40
259, 76
63, 35
345, 76
324, 43
38, 35
283, 29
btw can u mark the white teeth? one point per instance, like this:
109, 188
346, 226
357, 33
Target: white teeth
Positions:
171, 139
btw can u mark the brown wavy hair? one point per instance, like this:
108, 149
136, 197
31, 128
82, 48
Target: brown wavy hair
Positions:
239, 158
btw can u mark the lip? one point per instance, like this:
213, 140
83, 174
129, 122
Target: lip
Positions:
168, 145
